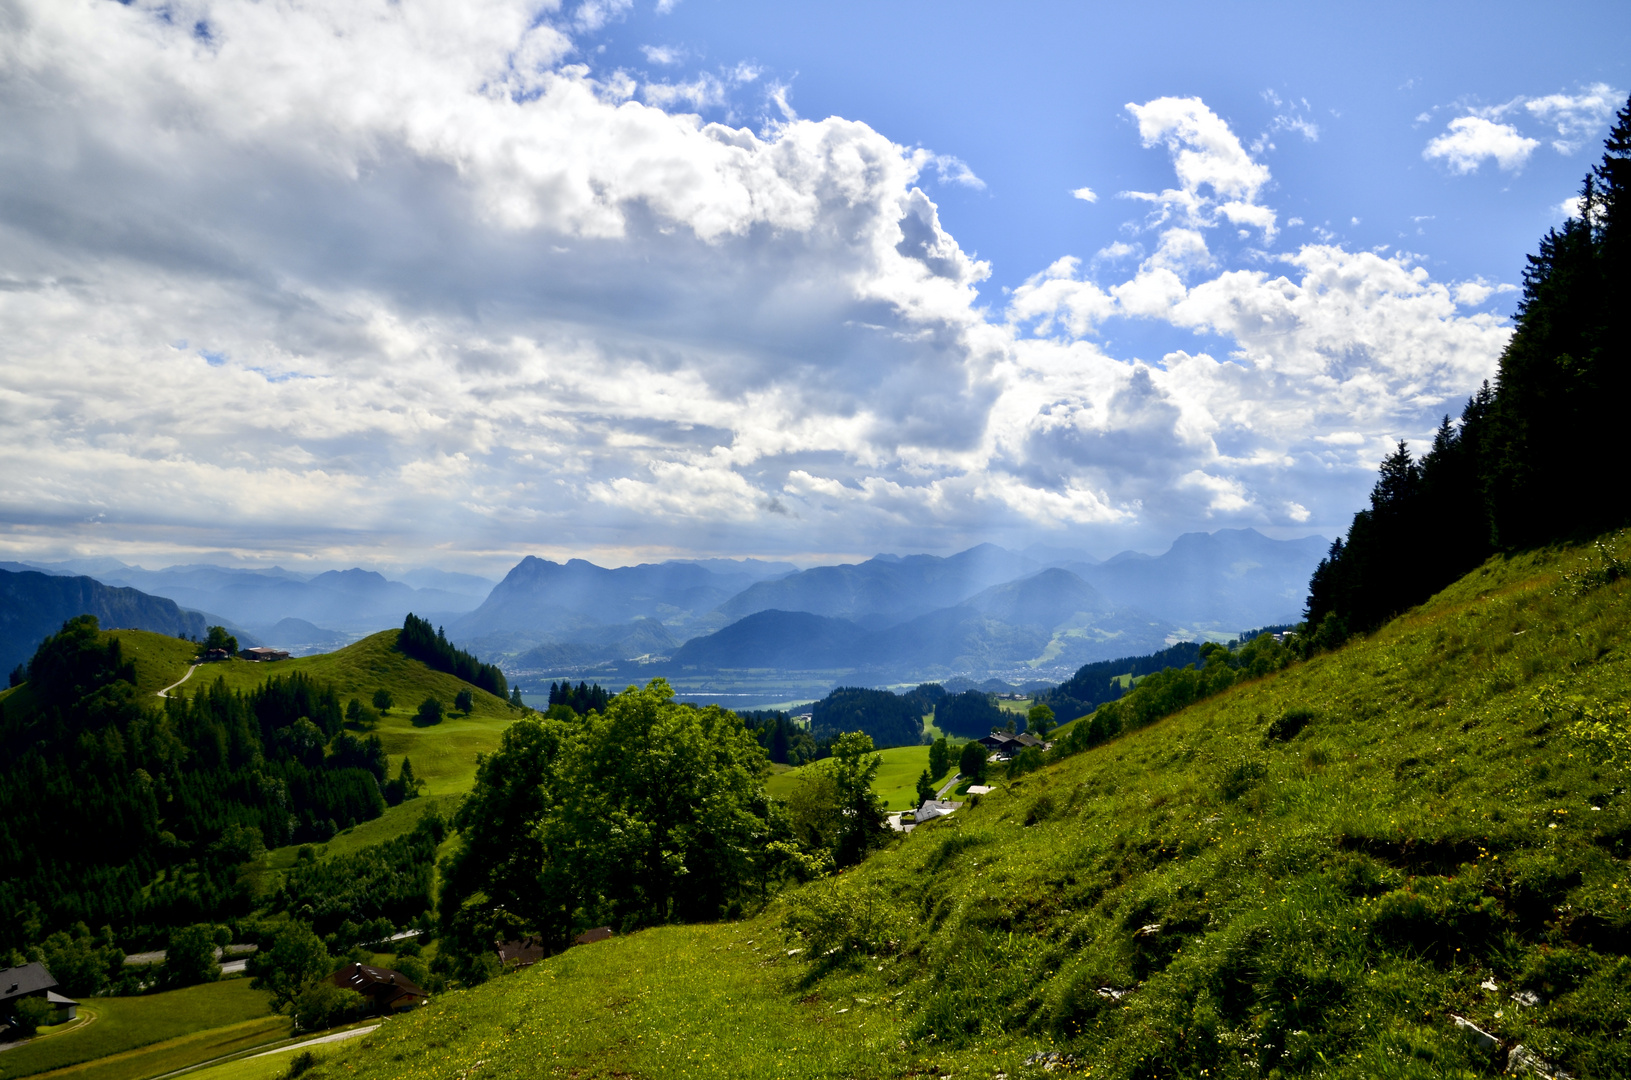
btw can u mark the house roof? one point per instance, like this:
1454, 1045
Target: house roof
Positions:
57, 999
528, 950
589, 937
1028, 739
382, 984
21, 981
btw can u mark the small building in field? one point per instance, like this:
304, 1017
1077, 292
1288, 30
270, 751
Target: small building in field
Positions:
33, 980
934, 808
389, 990
214, 655
261, 652
589, 937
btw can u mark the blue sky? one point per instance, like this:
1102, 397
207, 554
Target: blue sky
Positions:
426, 282
1032, 96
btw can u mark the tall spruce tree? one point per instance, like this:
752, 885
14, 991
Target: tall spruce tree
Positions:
1523, 466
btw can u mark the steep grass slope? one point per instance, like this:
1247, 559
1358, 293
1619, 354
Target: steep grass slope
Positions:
1311, 874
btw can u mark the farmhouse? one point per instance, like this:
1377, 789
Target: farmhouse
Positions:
390, 990
32, 980
261, 652
1006, 746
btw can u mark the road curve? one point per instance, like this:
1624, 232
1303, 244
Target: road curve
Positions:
166, 691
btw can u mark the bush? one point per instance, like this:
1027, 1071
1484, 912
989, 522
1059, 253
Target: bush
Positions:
190, 957
430, 712
326, 1005
836, 916
1288, 724
30, 1014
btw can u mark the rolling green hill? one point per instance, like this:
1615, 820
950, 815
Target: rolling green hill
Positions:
443, 755
1313, 873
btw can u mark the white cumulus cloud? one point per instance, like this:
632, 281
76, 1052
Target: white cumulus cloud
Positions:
443, 289
1575, 118
1472, 140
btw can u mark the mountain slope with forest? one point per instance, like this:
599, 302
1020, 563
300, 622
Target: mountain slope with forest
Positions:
34, 605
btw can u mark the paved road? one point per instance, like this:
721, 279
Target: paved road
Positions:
166, 691
229, 967
338, 1036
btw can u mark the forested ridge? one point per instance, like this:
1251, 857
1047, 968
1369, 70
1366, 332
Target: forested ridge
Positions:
430, 645
1529, 463
102, 793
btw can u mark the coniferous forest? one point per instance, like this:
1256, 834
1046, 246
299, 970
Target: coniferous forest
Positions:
101, 794
421, 642
1532, 459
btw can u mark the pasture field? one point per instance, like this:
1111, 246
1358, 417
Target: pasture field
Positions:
196, 1018
443, 755
896, 782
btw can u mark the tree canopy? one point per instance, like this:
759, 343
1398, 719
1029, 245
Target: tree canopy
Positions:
649, 812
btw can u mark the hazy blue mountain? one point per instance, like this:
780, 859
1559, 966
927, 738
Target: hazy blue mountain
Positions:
353, 600
788, 640
884, 589
34, 605
1046, 599
1058, 635
427, 577
577, 602
301, 638
1230, 580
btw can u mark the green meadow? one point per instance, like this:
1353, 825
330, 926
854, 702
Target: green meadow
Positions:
152, 1034
1313, 873
443, 755
896, 782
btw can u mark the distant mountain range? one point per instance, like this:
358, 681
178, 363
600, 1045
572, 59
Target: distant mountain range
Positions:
580, 604
300, 612
981, 613
984, 613
34, 605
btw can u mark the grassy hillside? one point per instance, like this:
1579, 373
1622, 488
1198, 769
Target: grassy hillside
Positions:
443, 755
1310, 874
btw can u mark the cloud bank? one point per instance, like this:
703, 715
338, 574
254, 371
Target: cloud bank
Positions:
357, 279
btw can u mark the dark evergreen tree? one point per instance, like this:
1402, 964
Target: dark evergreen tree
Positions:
1524, 465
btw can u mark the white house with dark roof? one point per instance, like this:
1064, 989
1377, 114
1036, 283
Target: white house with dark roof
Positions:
32, 980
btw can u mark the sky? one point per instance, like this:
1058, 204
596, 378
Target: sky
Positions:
425, 282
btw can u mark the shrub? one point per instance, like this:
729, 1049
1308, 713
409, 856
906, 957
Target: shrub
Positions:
839, 916
30, 1014
1288, 725
326, 1005
1240, 778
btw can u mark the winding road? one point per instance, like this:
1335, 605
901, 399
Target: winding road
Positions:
166, 691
